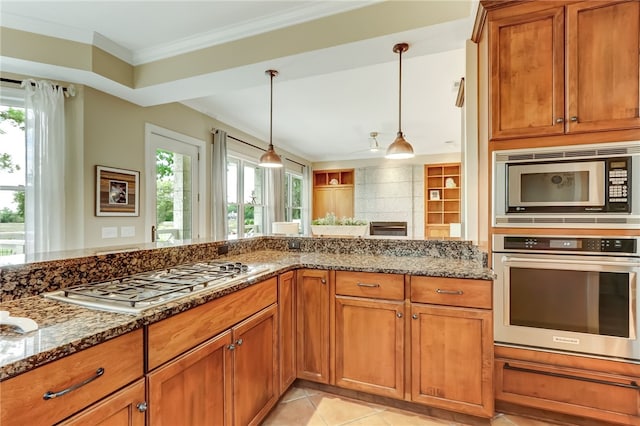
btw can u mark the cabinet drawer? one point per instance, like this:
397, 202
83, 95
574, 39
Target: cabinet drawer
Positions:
178, 334
607, 397
22, 397
452, 291
370, 284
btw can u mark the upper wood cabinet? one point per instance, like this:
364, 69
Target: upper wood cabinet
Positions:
532, 45
333, 193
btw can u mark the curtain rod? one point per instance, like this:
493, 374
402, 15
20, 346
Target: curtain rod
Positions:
11, 80
262, 149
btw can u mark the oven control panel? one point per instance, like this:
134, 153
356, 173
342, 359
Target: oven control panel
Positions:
571, 244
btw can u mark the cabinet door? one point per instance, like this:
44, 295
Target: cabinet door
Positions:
255, 367
312, 334
194, 389
603, 44
527, 74
343, 201
451, 358
323, 202
124, 408
370, 346
333, 199
287, 321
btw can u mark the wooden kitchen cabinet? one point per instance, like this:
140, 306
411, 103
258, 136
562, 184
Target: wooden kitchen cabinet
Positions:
442, 198
119, 359
361, 321
231, 379
312, 325
126, 407
452, 344
255, 367
195, 388
533, 43
333, 193
287, 328
600, 389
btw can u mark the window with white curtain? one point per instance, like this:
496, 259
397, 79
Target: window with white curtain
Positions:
293, 188
245, 198
12, 174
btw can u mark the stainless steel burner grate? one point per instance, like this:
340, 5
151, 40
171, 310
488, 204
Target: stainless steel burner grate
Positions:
142, 291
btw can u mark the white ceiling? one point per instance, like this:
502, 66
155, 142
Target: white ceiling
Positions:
326, 102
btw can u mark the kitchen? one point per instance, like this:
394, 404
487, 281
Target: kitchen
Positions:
625, 134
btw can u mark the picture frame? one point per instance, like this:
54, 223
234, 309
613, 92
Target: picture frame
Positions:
434, 194
117, 192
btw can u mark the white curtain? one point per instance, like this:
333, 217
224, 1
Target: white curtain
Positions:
45, 167
307, 176
275, 196
219, 185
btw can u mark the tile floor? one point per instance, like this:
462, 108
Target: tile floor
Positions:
302, 406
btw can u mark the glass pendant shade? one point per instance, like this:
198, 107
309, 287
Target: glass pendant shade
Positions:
270, 158
399, 149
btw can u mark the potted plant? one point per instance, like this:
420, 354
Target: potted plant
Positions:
330, 225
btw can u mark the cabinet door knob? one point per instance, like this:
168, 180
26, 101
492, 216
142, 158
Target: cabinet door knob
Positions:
238, 342
231, 347
323, 281
414, 316
560, 120
142, 406
399, 314
574, 118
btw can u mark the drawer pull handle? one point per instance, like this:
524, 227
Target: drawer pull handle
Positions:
50, 394
372, 285
455, 292
632, 385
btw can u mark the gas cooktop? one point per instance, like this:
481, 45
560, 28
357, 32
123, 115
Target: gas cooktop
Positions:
138, 292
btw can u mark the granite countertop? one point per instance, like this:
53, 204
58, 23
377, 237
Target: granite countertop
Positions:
65, 328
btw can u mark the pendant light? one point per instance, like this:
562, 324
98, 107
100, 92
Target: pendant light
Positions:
270, 158
400, 148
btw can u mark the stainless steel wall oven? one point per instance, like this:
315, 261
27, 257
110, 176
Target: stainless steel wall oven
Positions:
568, 293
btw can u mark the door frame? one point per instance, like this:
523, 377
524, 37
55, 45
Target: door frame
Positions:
150, 161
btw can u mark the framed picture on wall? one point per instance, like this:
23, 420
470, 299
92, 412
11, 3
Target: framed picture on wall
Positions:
117, 192
434, 194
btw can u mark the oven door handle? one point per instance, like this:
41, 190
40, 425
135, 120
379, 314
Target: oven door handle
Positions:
509, 259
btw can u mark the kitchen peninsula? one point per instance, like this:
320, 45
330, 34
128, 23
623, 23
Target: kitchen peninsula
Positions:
338, 282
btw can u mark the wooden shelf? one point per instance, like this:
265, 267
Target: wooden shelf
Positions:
442, 198
333, 177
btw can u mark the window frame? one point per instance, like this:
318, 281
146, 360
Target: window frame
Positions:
241, 197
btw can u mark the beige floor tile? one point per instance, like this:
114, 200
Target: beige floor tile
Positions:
373, 420
336, 410
299, 412
405, 418
524, 421
293, 393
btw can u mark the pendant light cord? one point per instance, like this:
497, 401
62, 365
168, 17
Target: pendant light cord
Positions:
400, 93
271, 113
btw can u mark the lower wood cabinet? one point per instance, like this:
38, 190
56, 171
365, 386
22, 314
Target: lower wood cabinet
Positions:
369, 346
230, 379
312, 322
452, 344
287, 329
600, 389
73, 383
126, 407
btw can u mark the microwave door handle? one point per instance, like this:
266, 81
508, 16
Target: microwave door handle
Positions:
508, 259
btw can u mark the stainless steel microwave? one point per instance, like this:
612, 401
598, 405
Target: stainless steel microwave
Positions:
568, 186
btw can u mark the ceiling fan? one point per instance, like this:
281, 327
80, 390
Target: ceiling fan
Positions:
374, 146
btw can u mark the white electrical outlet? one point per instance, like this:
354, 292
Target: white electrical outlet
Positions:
109, 232
127, 231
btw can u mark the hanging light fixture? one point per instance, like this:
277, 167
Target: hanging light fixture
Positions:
270, 158
400, 148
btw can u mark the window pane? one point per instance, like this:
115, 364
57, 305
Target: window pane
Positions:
232, 181
253, 185
232, 220
12, 180
253, 220
296, 191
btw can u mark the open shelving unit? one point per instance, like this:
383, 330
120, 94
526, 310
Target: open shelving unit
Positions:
442, 198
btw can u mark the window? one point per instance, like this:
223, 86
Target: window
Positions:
245, 198
293, 199
12, 176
